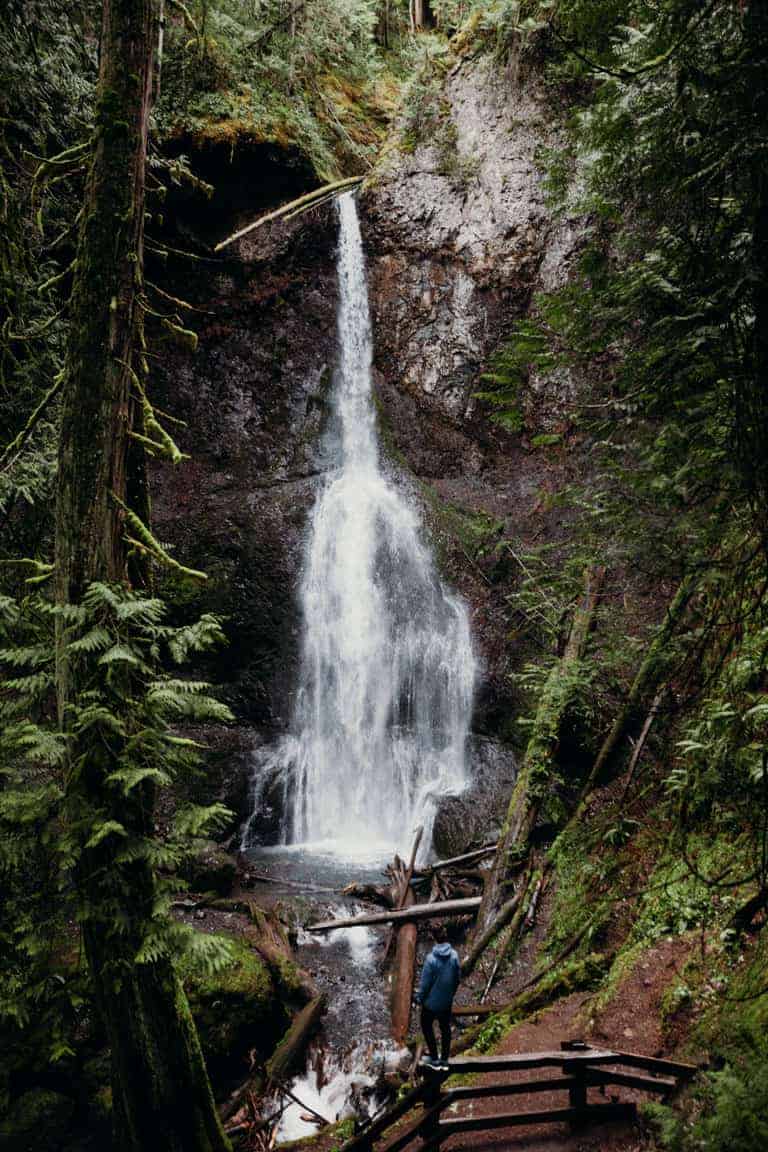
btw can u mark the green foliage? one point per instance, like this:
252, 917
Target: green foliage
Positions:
732, 1108
47, 73
117, 648
309, 78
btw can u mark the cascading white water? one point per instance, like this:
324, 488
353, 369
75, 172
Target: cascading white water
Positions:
387, 669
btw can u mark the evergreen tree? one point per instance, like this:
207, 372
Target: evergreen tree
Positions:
161, 1095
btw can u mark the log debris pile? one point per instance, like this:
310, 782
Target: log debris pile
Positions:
446, 889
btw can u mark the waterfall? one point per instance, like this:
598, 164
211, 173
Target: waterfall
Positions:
387, 669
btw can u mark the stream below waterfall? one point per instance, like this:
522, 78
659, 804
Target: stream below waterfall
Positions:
347, 1062
381, 715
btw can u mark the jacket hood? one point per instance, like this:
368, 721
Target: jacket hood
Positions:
442, 950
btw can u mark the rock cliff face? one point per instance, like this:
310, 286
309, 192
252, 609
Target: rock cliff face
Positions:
458, 240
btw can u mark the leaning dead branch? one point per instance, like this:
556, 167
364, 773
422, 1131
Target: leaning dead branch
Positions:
294, 208
648, 675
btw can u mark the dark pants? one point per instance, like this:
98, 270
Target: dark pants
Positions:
428, 1028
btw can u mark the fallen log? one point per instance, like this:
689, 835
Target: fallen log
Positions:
454, 861
638, 748
286, 1056
579, 974
372, 893
505, 914
648, 674
251, 877
505, 944
293, 207
417, 912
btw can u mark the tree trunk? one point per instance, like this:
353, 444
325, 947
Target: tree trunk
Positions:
403, 974
161, 1094
422, 15
533, 779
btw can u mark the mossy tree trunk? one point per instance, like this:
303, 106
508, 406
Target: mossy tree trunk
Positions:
161, 1094
654, 665
533, 783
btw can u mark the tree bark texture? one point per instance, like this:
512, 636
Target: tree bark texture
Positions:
161, 1094
403, 973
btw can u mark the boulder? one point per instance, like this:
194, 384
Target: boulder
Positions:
474, 816
210, 869
236, 1009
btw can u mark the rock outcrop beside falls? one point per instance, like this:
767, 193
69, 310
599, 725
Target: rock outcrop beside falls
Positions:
460, 239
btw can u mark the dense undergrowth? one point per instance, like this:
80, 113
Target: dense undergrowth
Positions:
661, 325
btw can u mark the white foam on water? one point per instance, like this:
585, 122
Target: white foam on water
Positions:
335, 1088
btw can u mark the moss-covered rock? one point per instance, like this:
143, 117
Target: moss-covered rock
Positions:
211, 869
39, 1119
236, 1009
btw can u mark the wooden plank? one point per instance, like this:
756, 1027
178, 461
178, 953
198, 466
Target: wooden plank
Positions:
517, 1088
386, 1119
417, 912
632, 1080
657, 1064
516, 1061
594, 1114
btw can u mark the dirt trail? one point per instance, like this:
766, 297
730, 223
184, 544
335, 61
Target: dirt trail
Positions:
632, 1021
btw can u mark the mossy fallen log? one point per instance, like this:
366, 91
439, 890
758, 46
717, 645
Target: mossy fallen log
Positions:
573, 977
505, 914
285, 1059
648, 676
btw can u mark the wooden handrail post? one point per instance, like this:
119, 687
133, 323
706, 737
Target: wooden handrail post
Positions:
577, 1090
430, 1133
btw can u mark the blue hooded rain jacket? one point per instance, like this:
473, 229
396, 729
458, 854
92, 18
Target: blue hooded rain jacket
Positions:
439, 979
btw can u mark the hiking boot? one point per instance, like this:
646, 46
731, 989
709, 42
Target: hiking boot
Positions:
430, 1062
443, 1066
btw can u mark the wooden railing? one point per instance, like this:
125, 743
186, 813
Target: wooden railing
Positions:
581, 1068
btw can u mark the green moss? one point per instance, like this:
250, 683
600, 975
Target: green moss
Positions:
247, 976
236, 1008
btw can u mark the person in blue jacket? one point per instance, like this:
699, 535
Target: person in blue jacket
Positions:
439, 980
